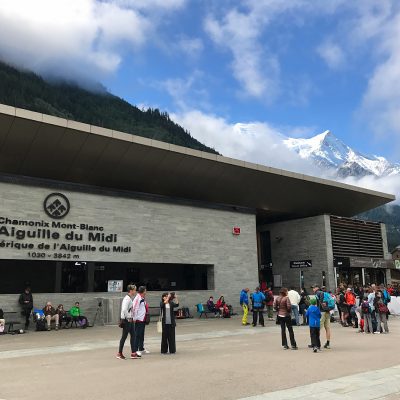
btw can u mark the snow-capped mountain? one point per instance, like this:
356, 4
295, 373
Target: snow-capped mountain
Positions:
329, 152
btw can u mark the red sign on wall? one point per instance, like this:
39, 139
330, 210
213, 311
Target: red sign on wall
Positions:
236, 230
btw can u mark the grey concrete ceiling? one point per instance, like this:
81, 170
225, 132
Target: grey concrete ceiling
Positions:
38, 145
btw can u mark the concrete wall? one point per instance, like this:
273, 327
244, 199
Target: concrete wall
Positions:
155, 232
111, 303
302, 239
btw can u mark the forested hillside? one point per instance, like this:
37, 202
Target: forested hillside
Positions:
390, 215
27, 90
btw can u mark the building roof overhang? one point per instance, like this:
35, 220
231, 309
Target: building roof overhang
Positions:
47, 147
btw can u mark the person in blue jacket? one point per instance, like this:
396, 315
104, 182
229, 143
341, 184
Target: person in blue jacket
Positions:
244, 303
258, 306
313, 314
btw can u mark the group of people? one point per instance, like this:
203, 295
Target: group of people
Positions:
135, 317
60, 316
259, 300
369, 312
45, 316
220, 308
364, 308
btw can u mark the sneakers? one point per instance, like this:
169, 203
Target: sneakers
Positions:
315, 349
134, 356
295, 348
326, 346
310, 346
377, 333
139, 353
285, 347
120, 356
145, 351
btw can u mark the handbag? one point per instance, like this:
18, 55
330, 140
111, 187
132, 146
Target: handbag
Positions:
159, 323
121, 323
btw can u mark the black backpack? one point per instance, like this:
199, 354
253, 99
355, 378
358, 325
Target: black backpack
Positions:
41, 325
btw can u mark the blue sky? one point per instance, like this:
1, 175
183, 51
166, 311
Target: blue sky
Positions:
236, 74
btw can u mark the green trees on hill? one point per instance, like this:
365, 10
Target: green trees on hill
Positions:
27, 90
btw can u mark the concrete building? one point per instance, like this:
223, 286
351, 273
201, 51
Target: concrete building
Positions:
85, 210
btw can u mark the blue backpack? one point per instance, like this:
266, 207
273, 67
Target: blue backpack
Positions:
386, 297
328, 302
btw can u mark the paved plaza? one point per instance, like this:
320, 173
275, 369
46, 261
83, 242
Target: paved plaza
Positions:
216, 359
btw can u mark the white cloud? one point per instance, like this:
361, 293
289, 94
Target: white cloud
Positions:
191, 46
255, 142
261, 143
332, 54
252, 65
75, 37
381, 102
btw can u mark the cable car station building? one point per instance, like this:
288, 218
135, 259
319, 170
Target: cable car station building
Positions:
83, 206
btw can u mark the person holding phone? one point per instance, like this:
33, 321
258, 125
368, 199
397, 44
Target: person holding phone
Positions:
169, 301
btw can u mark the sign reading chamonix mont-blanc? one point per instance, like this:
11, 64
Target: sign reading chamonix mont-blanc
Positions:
53, 238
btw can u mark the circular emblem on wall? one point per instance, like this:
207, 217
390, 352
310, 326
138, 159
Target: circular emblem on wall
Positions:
56, 205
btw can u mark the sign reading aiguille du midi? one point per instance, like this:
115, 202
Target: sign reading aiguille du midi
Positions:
54, 239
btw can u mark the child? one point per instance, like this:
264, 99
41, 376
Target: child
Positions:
313, 314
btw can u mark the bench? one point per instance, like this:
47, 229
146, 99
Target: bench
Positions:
11, 320
202, 309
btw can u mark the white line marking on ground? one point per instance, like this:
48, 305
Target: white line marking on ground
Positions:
371, 385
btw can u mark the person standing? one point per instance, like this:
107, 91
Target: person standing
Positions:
26, 302
269, 302
244, 302
381, 311
284, 311
258, 305
321, 296
168, 303
350, 299
126, 322
294, 298
139, 316
313, 314
304, 304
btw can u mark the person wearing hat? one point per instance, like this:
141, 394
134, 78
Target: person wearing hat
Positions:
313, 314
325, 314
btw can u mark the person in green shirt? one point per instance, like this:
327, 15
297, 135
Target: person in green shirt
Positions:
77, 316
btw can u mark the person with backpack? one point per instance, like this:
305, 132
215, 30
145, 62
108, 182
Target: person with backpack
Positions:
366, 315
350, 299
244, 303
304, 304
258, 305
381, 311
284, 318
342, 306
326, 303
371, 299
314, 319
269, 303
385, 295
76, 313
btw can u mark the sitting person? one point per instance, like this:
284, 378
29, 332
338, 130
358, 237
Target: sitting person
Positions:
2, 321
211, 306
223, 307
50, 315
63, 316
77, 316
